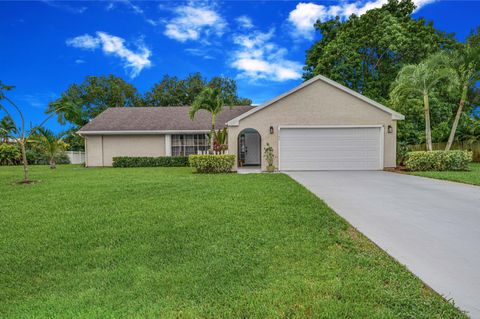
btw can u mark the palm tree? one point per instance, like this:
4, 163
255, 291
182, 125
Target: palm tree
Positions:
419, 81
50, 144
209, 100
7, 127
466, 64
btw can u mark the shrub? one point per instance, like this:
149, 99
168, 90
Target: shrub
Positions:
9, 154
36, 157
438, 161
269, 157
162, 161
212, 163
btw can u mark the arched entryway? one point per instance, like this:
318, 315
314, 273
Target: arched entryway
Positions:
249, 148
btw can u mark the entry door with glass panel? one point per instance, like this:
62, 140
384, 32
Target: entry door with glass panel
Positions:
250, 148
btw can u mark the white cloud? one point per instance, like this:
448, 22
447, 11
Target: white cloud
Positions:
135, 62
244, 22
257, 57
194, 23
79, 61
84, 42
304, 16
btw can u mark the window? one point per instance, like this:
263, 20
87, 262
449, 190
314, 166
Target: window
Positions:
187, 144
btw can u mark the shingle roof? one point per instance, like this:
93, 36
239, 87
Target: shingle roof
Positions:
158, 119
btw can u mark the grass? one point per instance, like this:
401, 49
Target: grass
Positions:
469, 177
163, 242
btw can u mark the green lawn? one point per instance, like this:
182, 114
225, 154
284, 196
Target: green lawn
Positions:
470, 177
166, 243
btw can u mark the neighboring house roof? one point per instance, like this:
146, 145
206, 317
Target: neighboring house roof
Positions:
138, 120
395, 115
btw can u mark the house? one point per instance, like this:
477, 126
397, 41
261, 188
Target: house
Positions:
318, 125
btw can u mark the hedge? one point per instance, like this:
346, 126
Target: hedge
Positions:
212, 163
438, 161
162, 161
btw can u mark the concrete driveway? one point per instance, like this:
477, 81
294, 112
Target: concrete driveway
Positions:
431, 226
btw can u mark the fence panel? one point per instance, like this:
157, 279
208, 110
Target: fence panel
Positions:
76, 157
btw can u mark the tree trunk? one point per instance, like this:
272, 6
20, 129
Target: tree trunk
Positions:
52, 163
428, 130
24, 160
457, 118
212, 134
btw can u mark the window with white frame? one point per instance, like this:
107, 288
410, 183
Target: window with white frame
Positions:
187, 144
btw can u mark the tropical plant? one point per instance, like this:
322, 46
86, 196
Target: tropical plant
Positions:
211, 101
418, 82
466, 63
20, 133
51, 145
269, 157
220, 142
7, 127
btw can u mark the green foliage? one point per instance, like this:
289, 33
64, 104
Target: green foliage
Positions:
472, 176
172, 91
37, 157
49, 144
212, 163
75, 141
365, 53
82, 102
7, 128
269, 156
220, 140
162, 161
9, 154
438, 161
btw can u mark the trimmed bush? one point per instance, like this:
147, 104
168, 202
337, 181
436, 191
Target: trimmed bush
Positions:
162, 161
438, 161
212, 163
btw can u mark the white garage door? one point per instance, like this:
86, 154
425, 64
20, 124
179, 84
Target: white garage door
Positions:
342, 148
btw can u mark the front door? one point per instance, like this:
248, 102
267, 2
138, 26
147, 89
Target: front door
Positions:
252, 148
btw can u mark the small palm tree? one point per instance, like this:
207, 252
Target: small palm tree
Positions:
51, 144
209, 100
419, 81
466, 64
7, 127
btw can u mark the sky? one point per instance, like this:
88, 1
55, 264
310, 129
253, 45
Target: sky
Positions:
48, 45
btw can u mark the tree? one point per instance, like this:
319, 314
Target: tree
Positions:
466, 63
172, 91
419, 81
6, 128
20, 133
211, 101
82, 102
365, 53
50, 144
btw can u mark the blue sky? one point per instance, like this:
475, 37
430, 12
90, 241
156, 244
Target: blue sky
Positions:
46, 45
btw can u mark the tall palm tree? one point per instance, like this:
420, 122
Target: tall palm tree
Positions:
466, 64
50, 144
209, 100
419, 81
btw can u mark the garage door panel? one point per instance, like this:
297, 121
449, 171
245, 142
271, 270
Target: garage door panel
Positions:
330, 148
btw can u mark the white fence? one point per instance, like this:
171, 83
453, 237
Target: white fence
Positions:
76, 157
214, 153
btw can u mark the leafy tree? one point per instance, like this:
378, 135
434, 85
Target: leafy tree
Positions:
417, 82
50, 144
466, 63
75, 141
211, 101
82, 102
172, 91
9, 154
365, 53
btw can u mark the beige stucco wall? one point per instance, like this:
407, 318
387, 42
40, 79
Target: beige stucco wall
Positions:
316, 104
101, 149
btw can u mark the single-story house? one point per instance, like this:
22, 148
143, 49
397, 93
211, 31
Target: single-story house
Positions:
318, 125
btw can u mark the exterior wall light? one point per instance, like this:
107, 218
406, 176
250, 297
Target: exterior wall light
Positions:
390, 129
271, 129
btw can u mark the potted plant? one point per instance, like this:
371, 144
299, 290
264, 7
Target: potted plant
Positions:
269, 156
